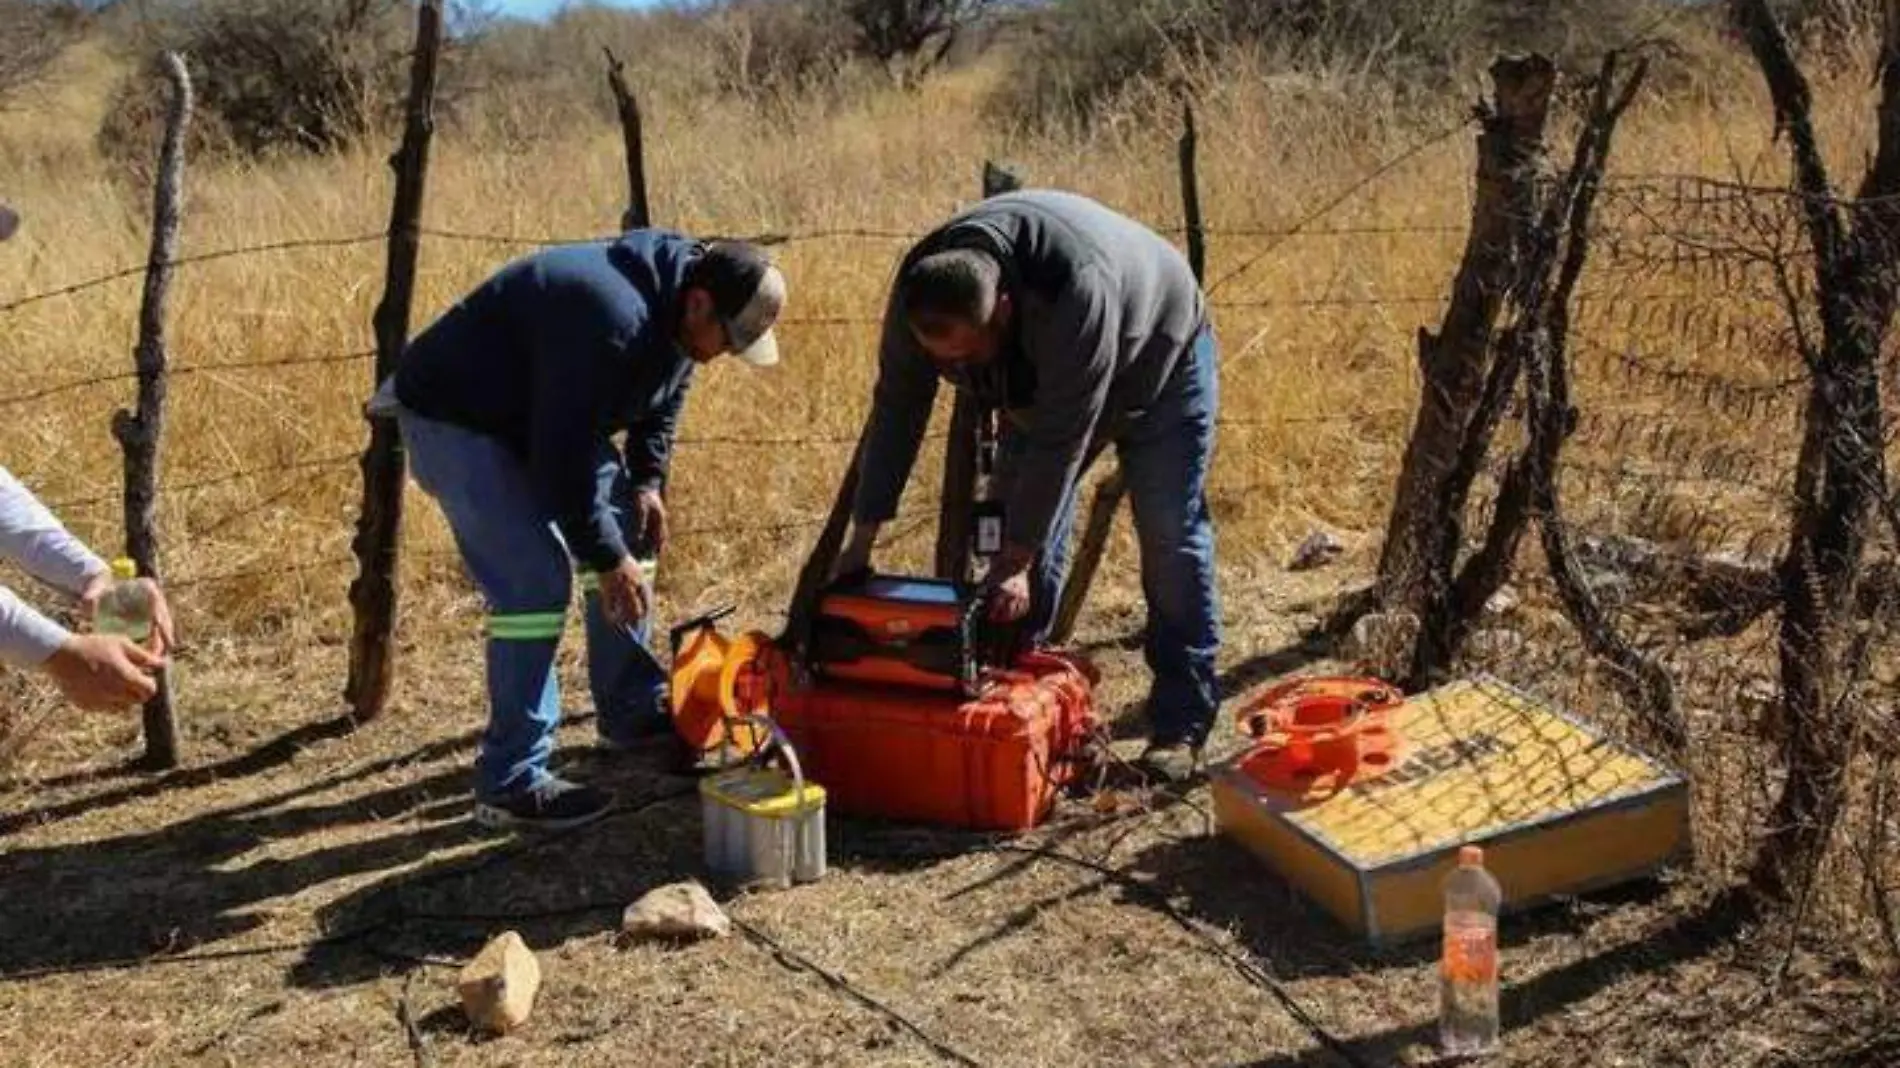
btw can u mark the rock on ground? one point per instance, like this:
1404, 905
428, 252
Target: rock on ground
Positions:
679, 911
498, 987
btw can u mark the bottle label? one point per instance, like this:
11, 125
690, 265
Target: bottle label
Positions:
1471, 951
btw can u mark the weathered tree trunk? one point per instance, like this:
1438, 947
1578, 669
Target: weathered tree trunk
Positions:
1843, 478
1552, 254
638, 214
373, 594
1455, 360
141, 433
1645, 685
955, 518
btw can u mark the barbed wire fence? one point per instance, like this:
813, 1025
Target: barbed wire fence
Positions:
1680, 470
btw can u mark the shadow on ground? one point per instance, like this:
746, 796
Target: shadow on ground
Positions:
1220, 882
1688, 938
203, 880
551, 887
185, 887
273, 754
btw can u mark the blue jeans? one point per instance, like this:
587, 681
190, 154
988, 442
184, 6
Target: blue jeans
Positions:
1165, 453
520, 561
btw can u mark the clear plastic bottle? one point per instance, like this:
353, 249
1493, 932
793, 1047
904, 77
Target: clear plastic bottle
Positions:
126, 608
1468, 970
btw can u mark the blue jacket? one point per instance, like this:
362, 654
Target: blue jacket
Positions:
553, 355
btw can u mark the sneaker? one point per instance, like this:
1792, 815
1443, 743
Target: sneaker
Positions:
1171, 762
555, 804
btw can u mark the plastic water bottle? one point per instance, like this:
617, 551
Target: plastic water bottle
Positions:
1468, 971
126, 608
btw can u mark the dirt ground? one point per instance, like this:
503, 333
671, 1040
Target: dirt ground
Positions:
301, 894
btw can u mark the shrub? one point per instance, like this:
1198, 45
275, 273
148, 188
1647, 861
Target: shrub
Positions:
33, 33
776, 48
909, 38
271, 75
1083, 53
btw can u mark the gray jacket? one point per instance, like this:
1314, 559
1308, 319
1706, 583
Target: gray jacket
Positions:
1105, 309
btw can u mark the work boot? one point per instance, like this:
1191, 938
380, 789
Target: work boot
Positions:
552, 805
1171, 762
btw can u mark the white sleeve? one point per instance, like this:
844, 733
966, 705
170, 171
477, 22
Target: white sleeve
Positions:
31, 537
27, 638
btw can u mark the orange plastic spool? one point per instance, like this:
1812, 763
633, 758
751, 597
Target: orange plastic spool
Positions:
717, 682
1315, 735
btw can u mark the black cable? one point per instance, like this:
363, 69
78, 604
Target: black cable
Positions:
798, 962
1240, 962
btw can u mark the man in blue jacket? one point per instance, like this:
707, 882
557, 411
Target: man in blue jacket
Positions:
507, 405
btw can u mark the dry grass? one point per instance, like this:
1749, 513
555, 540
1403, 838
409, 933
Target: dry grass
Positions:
294, 828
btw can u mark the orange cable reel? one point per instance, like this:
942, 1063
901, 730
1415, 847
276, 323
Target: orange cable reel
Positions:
1313, 736
717, 683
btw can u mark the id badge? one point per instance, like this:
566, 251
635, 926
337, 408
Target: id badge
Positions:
989, 527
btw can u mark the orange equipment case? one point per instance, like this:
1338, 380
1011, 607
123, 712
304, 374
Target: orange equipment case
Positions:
995, 761
895, 630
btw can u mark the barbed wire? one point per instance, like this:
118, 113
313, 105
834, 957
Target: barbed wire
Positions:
226, 478
1728, 187
768, 238
703, 530
1326, 207
139, 270
182, 370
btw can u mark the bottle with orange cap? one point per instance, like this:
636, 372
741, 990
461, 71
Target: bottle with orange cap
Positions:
1468, 970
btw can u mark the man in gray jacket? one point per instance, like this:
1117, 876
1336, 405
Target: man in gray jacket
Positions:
1081, 327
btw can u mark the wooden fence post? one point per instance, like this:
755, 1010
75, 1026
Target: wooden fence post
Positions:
1191, 193
373, 594
959, 454
1841, 478
1456, 362
638, 215
1108, 496
140, 433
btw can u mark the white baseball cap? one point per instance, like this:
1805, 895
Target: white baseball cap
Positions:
748, 294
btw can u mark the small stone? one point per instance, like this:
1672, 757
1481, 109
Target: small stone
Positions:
1493, 645
682, 911
1319, 549
1760, 690
1381, 643
1610, 587
498, 987
1503, 602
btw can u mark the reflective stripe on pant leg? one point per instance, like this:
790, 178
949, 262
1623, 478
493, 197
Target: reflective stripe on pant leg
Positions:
526, 626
